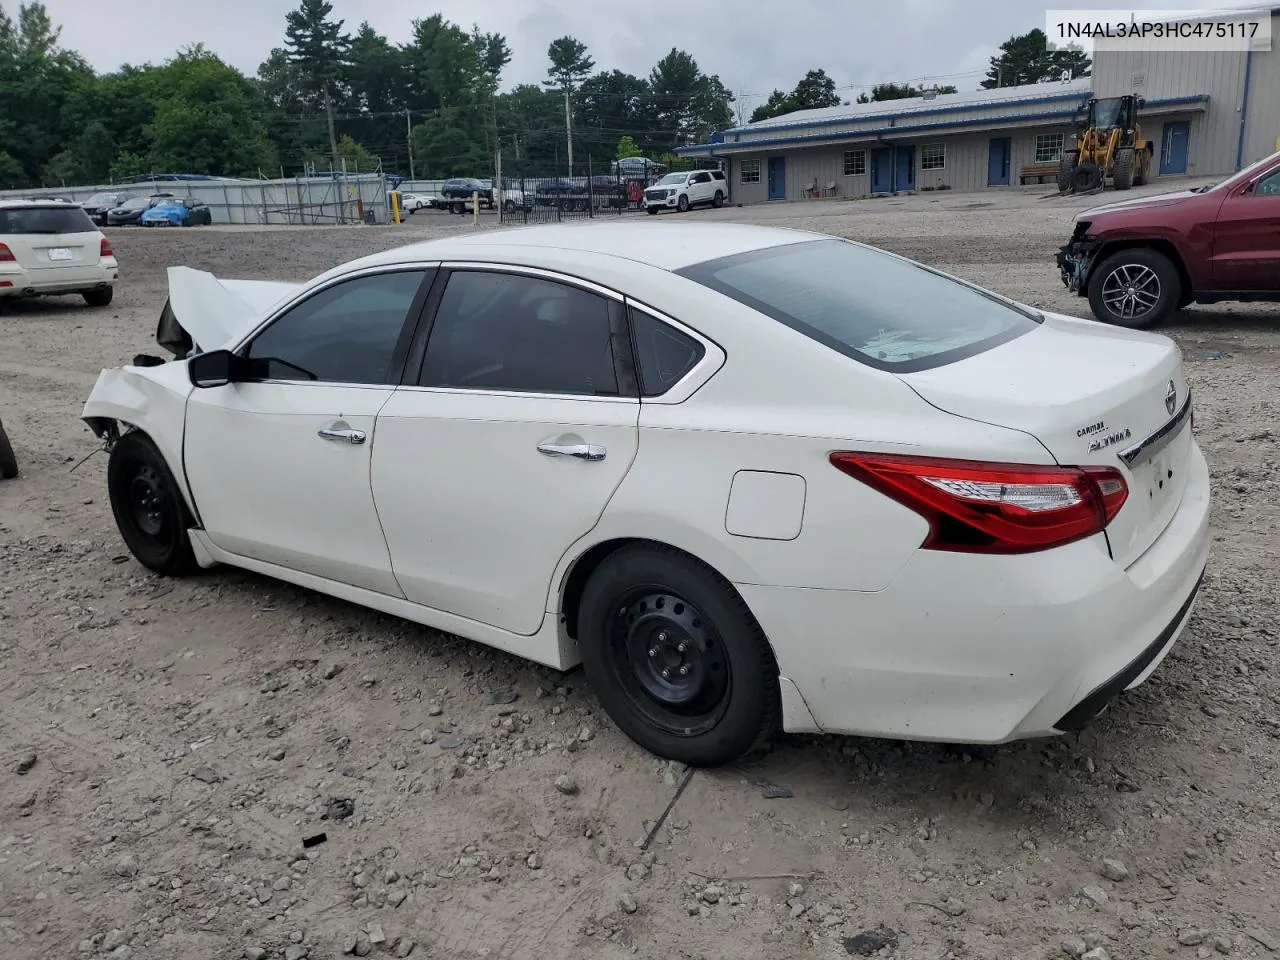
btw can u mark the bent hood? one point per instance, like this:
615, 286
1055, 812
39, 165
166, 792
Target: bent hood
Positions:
210, 313
1159, 200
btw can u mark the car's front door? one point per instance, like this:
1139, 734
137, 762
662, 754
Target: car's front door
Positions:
279, 465
507, 445
1246, 237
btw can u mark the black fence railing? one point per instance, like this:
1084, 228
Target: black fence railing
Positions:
532, 199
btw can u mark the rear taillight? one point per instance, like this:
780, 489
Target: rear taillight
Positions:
6, 255
977, 507
104, 249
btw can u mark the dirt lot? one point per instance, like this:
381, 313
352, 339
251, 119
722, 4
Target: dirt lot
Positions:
182, 737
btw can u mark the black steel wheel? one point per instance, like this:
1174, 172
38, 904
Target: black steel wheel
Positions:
8, 462
675, 656
148, 506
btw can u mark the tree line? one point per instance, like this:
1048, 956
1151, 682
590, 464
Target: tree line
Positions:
328, 98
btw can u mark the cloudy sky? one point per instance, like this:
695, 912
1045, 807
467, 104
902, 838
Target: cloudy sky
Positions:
753, 45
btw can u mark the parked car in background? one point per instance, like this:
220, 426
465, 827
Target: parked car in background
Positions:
177, 212
8, 462
1140, 260
749, 477
133, 208
48, 248
456, 193
681, 191
412, 202
99, 204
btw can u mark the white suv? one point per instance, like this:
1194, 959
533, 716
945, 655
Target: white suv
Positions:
680, 191
50, 247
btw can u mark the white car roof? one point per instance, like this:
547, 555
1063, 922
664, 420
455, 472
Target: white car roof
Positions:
667, 246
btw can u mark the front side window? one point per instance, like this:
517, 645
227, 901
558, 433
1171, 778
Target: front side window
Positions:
347, 333
510, 332
1268, 186
750, 170
872, 306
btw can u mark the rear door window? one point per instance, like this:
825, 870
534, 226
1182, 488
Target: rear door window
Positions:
45, 220
875, 307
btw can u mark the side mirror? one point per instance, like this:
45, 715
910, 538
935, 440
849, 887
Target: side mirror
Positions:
215, 369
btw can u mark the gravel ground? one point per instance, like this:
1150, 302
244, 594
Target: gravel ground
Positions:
167, 745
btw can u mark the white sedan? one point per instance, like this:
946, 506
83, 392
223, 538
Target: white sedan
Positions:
748, 477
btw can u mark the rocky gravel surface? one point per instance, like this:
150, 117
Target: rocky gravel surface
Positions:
227, 766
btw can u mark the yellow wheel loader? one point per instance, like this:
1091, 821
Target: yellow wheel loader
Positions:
1108, 146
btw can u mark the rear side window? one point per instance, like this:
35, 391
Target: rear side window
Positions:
872, 306
48, 220
663, 353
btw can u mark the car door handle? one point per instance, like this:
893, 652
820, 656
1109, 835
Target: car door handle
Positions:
583, 451
341, 433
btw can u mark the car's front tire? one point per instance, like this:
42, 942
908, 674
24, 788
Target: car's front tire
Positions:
99, 297
683, 203
150, 513
676, 658
652, 211
1136, 288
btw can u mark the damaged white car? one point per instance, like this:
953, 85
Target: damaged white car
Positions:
747, 477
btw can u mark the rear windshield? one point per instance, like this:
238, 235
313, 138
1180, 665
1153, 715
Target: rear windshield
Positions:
877, 308
45, 220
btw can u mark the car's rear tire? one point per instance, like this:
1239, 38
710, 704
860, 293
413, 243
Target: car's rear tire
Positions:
150, 513
8, 462
683, 203
676, 658
1137, 288
99, 297
718, 200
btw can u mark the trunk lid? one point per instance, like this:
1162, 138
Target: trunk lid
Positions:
1089, 393
54, 251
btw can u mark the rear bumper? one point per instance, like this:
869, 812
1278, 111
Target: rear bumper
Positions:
37, 283
976, 649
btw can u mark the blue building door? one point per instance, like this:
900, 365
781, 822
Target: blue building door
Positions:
904, 168
777, 178
882, 170
1173, 150
999, 159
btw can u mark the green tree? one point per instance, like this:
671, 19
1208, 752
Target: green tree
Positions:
815, 91
570, 64
353, 154
690, 105
627, 148
614, 104
1027, 59
321, 50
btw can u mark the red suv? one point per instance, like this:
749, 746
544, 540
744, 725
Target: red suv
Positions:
1140, 260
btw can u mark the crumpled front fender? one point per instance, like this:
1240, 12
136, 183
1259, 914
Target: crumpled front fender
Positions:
150, 399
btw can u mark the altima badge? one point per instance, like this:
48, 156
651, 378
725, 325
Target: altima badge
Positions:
1171, 398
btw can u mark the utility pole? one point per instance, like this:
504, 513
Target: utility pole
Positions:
408, 135
568, 128
498, 190
333, 135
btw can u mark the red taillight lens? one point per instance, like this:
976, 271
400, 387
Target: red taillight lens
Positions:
104, 249
977, 507
6, 255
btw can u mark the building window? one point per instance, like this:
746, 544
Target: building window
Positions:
855, 163
1048, 147
933, 156
750, 171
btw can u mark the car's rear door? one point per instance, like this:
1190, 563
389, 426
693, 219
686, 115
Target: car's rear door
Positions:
506, 442
1246, 237
279, 466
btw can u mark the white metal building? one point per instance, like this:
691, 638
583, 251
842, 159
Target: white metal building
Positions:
1207, 113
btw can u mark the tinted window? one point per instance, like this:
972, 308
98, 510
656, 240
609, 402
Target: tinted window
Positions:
45, 220
869, 305
663, 353
496, 331
344, 334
